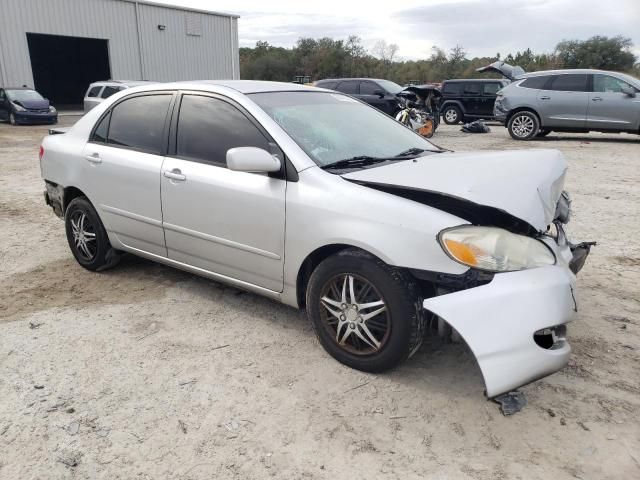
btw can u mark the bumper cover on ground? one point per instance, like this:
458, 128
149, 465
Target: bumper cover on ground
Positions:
498, 321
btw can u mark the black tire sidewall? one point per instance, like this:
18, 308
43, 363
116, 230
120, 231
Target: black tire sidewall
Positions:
102, 240
536, 125
400, 296
458, 115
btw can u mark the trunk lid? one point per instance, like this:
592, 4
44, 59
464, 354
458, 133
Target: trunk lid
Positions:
524, 183
504, 69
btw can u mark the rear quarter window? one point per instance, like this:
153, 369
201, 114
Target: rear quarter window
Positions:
94, 91
535, 82
327, 85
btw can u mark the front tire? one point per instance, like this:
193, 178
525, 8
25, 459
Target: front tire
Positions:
366, 314
86, 235
452, 115
523, 125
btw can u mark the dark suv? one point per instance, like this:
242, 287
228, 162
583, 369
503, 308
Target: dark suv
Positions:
469, 99
376, 92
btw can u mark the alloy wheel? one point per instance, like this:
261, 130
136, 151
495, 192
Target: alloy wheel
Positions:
355, 314
523, 126
451, 115
84, 235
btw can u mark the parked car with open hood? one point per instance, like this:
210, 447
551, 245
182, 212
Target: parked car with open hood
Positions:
25, 106
582, 101
377, 92
313, 198
98, 92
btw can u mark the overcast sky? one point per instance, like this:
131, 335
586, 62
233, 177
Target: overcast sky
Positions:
482, 27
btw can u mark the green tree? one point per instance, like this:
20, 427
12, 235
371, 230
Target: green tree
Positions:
607, 53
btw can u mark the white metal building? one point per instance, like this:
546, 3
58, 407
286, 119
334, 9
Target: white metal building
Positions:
60, 46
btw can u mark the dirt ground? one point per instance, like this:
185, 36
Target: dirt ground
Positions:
146, 372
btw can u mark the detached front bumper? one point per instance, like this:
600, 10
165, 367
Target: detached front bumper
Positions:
502, 320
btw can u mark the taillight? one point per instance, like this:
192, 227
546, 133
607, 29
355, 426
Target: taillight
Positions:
41, 153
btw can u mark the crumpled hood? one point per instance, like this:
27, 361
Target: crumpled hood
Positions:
524, 183
33, 104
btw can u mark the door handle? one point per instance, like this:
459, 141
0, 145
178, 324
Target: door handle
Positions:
545, 98
175, 174
596, 99
94, 158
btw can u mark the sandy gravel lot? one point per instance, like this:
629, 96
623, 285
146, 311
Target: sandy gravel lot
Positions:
145, 372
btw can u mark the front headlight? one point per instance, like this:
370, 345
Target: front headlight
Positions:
494, 249
52, 109
18, 108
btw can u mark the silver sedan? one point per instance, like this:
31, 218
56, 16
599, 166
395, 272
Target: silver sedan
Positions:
317, 200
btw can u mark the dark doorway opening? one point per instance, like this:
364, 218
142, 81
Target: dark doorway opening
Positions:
63, 67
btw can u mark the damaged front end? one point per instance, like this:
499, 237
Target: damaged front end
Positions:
515, 321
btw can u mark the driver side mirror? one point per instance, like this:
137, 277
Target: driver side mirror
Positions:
252, 159
380, 93
627, 90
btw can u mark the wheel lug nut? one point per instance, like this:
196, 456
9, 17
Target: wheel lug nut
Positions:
342, 317
344, 305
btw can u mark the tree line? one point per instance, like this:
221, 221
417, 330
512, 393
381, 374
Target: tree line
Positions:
330, 58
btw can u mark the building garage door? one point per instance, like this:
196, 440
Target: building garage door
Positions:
63, 67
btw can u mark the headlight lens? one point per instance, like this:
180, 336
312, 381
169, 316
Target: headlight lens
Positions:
494, 249
52, 109
18, 107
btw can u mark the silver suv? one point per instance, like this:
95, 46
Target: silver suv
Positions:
538, 103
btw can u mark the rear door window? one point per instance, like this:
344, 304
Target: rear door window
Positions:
349, 87
570, 82
108, 91
472, 88
94, 92
208, 127
138, 123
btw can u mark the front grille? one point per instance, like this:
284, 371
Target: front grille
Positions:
39, 110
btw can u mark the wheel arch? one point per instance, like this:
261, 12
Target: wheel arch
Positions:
69, 194
523, 109
455, 103
314, 259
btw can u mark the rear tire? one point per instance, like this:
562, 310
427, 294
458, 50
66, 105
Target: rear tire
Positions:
388, 337
523, 125
452, 115
86, 235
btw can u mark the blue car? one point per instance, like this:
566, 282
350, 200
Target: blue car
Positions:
21, 105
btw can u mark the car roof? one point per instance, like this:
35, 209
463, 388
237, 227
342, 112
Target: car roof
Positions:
354, 78
479, 80
566, 70
132, 83
242, 86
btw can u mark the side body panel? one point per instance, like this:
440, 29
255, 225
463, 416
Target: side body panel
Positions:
125, 189
613, 111
224, 221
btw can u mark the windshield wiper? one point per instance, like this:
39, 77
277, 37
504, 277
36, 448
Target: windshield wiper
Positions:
411, 151
358, 161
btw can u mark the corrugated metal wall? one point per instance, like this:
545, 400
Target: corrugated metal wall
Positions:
167, 55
